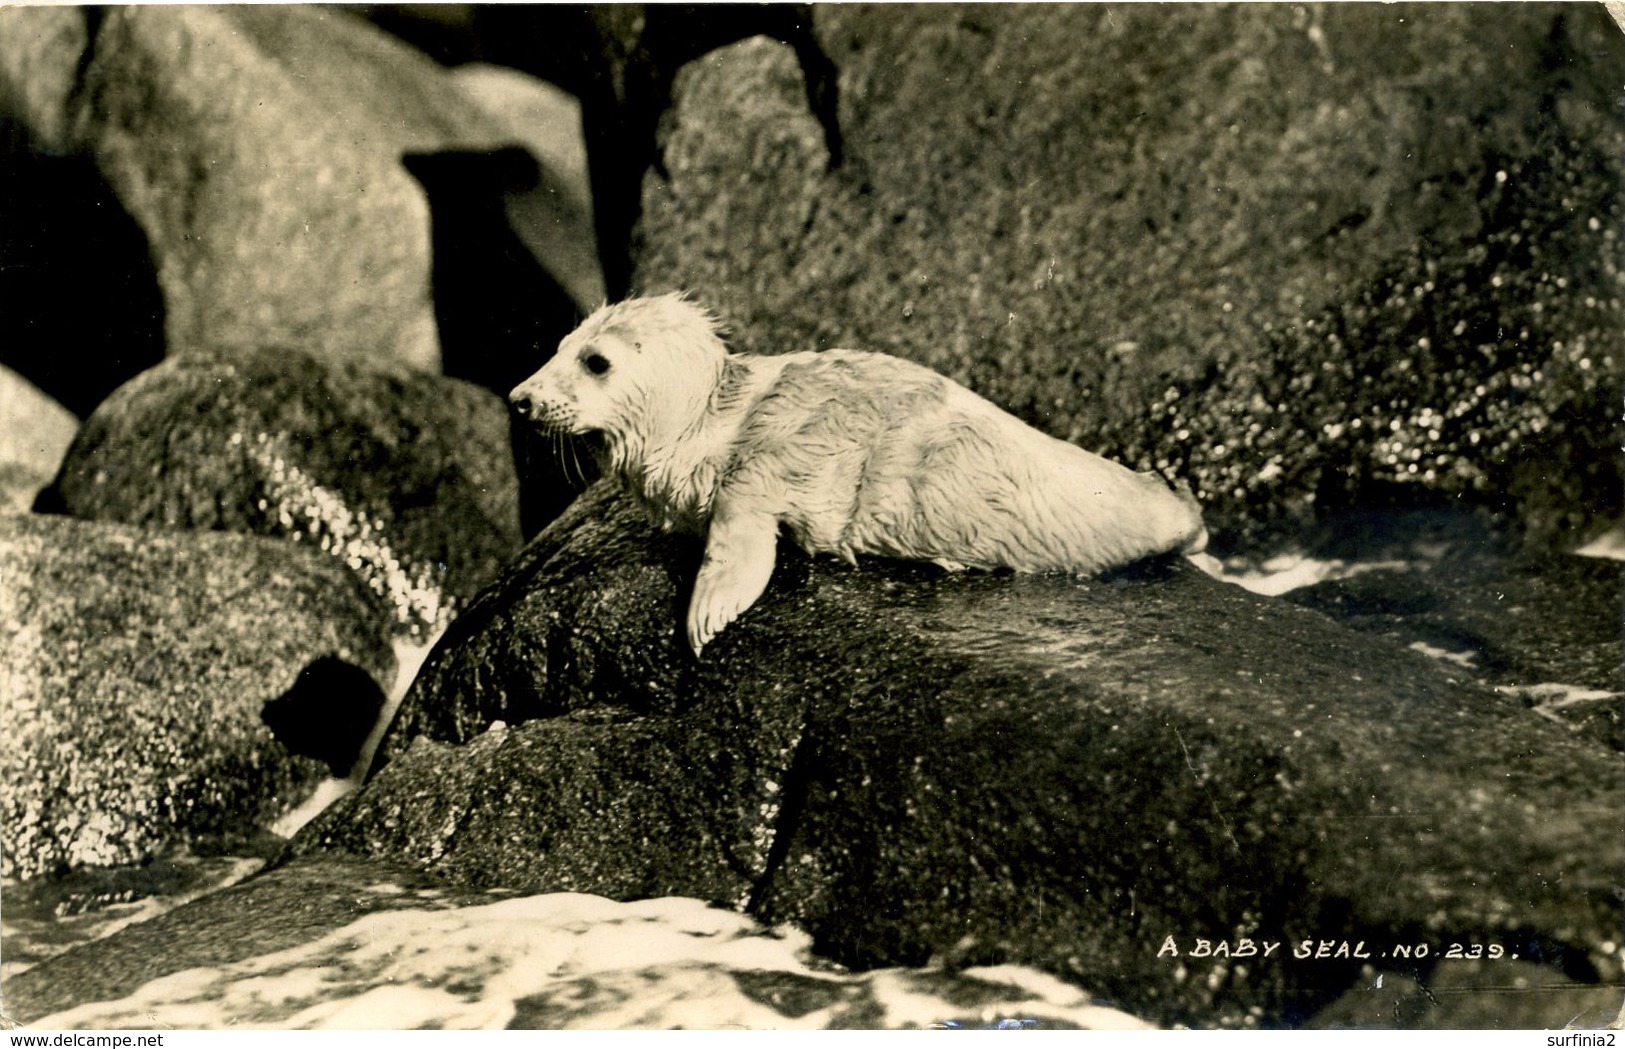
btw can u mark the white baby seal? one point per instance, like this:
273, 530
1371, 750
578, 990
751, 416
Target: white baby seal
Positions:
851, 452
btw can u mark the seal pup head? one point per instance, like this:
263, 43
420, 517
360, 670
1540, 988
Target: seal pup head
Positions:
639, 374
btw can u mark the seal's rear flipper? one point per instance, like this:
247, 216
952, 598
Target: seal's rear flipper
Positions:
1182, 491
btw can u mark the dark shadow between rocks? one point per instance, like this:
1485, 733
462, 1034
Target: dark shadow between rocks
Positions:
77, 287
553, 470
621, 61
499, 312
327, 714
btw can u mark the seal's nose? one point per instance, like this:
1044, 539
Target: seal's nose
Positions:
521, 402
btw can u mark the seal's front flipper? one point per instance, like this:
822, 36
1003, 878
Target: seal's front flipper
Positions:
739, 555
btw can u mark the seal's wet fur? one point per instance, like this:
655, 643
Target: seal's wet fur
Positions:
850, 452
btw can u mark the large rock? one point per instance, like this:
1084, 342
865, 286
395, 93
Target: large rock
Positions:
1084, 776
50, 915
1546, 630
1310, 259
259, 151
133, 674
406, 478
35, 432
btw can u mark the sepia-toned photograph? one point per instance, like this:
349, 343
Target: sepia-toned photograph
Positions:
837, 516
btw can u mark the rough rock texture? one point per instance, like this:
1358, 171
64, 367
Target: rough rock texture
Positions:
52, 914
259, 151
406, 478
1309, 258
1060, 773
1545, 630
34, 435
133, 672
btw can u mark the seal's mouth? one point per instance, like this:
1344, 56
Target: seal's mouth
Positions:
545, 418
551, 425
589, 439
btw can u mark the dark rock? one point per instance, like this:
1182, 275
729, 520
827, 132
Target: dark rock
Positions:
137, 664
406, 478
1596, 713
1308, 259
35, 432
989, 768
259, 152
1515, 621
532, 807
51, 914
1474, 995
1474, 375
1545, 630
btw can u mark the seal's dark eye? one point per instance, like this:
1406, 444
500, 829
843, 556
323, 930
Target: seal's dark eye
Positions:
596, 363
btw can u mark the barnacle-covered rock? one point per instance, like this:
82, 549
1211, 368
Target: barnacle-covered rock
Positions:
405, 478
1481, 374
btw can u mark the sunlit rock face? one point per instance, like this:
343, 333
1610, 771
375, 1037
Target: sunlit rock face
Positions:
1308, 258
1057, 772
406, 479
186, 178
133, 673
35, 431
259, 153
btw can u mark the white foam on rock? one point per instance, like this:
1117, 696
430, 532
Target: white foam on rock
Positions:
571, 961
1293, 571
1610, 544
